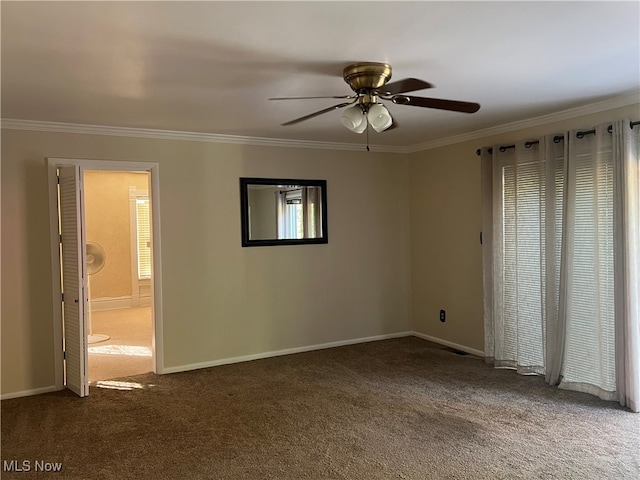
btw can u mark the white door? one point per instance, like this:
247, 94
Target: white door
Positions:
75, 301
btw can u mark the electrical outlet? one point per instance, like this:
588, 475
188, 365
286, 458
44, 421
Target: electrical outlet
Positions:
443, 315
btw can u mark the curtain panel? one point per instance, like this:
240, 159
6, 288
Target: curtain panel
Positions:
626, 148
304, 222
281, 205
560, 259
311, 206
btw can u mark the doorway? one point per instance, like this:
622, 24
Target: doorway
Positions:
118, 239
109, 318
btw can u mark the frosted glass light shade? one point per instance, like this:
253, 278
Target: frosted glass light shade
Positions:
354, 119
363, 125
379, 117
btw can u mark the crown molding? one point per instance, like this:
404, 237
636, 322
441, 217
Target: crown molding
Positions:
623, 100
58, 127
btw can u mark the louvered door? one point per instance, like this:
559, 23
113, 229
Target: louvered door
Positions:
74, 289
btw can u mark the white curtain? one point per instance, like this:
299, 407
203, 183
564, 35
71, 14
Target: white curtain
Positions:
626, 151
560, 297
281, 206
586, 306
311, 208
302, 219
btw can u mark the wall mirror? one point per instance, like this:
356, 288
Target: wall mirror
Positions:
276, 211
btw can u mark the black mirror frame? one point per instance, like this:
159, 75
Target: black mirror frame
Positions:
244, 211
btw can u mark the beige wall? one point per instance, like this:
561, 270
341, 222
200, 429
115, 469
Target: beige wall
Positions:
446, 220
219, 300
388, 267
108, 222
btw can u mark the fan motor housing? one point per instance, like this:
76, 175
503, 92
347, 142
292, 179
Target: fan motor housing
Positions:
367, 75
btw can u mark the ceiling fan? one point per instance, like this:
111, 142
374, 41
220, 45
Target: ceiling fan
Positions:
368, 80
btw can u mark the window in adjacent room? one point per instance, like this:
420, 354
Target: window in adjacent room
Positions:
143, 237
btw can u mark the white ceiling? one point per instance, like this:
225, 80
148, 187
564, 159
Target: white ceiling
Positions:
211, 66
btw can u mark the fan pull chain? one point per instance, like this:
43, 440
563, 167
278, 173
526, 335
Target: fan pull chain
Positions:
367, 136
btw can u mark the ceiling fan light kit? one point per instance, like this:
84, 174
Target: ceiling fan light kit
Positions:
369, 82
379, 117
357, 118
353, 117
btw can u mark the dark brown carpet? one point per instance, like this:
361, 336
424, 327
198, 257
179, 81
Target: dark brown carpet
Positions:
395, 409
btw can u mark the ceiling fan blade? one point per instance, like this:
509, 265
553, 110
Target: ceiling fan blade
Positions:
308, 98
403, 86
315, 114
452, 105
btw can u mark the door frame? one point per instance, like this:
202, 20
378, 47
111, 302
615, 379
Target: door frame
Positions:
53, 163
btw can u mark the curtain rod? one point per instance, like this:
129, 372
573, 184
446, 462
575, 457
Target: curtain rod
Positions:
556, 139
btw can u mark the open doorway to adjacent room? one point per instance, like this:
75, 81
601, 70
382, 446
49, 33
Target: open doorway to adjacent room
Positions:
118, 238
106, 265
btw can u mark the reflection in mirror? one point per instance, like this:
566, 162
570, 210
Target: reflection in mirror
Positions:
283, 212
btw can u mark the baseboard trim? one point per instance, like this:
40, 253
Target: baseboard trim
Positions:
286, 351
111, 303
447, 343
144, 300
27, 393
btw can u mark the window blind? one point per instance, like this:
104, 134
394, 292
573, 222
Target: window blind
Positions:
590, 346
144, 238
521, 340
